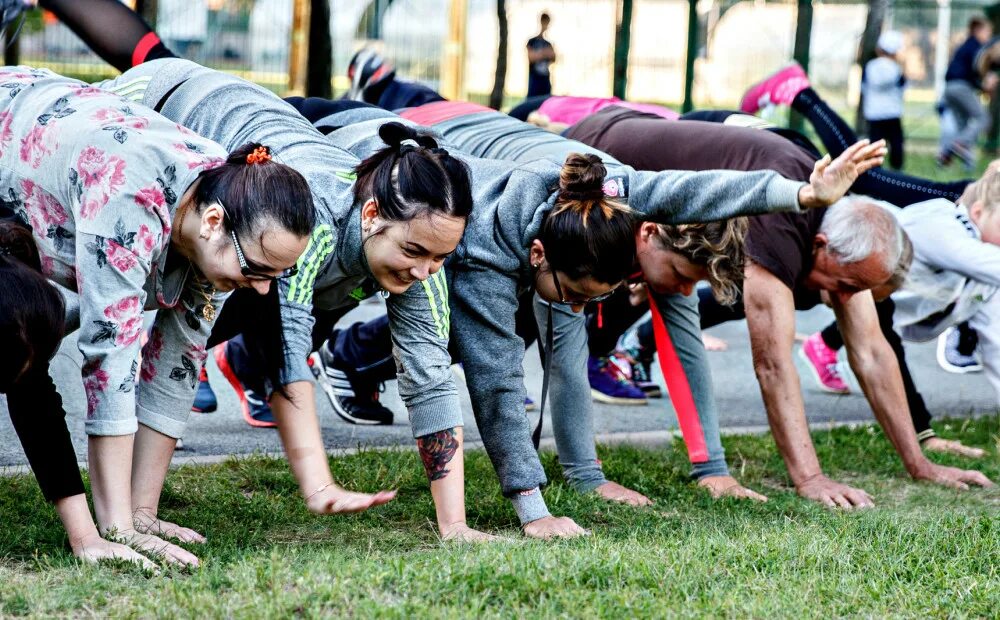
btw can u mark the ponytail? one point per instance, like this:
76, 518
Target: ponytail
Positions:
587, 233
412, 177
258, 192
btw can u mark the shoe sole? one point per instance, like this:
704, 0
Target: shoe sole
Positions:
601, 397
819, 383
949, 367
205, 410
220, 360
653, 392
323, 379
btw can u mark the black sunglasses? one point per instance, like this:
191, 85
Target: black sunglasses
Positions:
248, 272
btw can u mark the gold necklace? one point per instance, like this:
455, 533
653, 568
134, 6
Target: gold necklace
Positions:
207, 309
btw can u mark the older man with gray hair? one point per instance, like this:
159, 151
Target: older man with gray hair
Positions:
835, 255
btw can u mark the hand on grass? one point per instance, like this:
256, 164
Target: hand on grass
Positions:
461, 532
93, 549
554, 527
951, 446
145, 521
831, 179
612, 491
953, 477
727, 486
155, 546
821, 489
335, 500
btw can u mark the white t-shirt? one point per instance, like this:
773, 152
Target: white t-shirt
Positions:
883, 90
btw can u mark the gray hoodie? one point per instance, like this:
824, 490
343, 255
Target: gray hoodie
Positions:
332, 270
491, 266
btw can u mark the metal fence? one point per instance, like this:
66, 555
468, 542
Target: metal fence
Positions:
738, 43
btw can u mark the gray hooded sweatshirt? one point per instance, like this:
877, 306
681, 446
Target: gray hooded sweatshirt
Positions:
332, 270
491, 265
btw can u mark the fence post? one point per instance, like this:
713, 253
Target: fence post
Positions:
453, 66
319, 64
623, 38
147, 9
299, 51
12, 53
803, 36
692, 53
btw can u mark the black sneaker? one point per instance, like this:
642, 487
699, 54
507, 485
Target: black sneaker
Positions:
356, 404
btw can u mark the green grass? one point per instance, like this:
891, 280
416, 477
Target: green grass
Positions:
925, 551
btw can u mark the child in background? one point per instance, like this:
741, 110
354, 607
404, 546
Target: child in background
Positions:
882, 85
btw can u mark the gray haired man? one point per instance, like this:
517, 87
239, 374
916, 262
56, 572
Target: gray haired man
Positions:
836, 255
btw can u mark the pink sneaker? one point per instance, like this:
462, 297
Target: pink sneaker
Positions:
822, 361
779, 88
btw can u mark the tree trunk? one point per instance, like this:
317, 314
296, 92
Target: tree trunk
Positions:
623, 38
319, 64
500, 77
869, 39
803, 40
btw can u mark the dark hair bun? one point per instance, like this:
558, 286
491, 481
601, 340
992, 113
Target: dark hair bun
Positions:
395, 133
582, 177
16, 242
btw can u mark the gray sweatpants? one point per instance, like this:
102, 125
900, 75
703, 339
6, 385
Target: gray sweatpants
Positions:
962, 99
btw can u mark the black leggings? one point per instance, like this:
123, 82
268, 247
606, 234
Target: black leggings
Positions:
899, 189
713, 313
116, 33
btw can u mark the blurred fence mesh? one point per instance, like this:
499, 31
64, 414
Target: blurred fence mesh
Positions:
739, 42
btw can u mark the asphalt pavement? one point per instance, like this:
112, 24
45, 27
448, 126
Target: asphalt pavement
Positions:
225, 433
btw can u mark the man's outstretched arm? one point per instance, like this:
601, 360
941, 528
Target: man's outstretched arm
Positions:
770, 310
877, 370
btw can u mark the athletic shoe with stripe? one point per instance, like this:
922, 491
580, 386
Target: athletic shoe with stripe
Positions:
253, 406
779, 88
357, 404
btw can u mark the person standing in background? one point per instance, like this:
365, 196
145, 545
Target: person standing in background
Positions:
963, 85
882, 84
541, 54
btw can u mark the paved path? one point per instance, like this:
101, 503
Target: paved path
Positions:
224, 432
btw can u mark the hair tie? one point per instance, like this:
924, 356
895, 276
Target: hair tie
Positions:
593, 194
409, 142
259, 156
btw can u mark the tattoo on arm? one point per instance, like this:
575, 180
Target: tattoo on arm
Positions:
436, 451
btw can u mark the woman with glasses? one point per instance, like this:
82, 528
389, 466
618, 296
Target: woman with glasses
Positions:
134, 213
563, 228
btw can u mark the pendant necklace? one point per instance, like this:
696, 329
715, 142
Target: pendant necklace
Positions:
208, 309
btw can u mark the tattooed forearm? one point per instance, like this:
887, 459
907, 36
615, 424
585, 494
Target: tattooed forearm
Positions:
436, 451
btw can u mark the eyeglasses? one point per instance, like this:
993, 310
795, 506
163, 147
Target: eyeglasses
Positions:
248, 272
573, 302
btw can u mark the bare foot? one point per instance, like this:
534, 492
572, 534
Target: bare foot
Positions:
714, 344
145, 521
727, 486
461, 532
952, 446
553, 527
615, 492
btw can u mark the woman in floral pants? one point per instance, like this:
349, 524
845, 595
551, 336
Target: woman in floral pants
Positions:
135, 213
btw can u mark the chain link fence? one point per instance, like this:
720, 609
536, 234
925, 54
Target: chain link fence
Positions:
738, 43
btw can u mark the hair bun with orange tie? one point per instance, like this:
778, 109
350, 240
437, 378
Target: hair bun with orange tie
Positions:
259, 155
